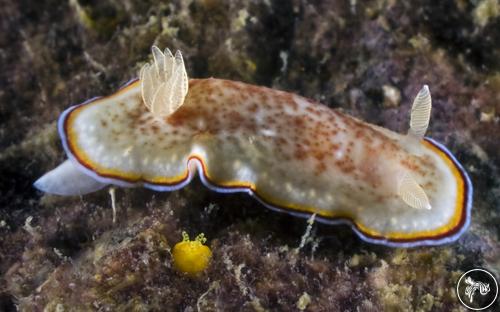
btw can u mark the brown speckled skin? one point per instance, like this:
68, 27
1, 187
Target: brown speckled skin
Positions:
292, 152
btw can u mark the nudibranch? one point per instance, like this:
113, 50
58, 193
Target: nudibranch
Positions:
291, 153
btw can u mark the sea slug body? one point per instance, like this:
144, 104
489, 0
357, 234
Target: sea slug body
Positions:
191, 257
291, 153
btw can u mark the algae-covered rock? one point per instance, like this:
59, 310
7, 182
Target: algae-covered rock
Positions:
368, 58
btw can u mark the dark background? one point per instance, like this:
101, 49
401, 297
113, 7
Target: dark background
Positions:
347, 54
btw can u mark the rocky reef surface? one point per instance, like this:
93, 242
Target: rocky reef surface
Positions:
367, 57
